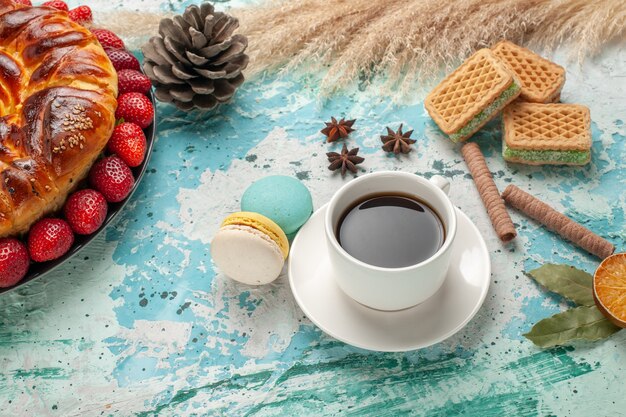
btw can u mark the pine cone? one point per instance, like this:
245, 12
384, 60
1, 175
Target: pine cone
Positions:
196, 61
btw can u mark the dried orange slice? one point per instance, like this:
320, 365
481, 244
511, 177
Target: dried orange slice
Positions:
609, 288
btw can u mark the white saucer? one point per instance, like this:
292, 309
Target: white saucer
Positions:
433, 321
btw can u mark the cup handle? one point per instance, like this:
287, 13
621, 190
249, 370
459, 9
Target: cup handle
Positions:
441, 182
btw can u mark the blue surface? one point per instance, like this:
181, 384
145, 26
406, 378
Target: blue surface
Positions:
142, 324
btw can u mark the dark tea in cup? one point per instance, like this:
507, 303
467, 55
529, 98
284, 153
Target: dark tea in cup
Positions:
391, 230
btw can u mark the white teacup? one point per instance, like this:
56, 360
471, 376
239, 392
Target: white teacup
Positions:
390, 288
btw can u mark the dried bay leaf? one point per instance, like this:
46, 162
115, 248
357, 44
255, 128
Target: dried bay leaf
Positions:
580, 323
567, 281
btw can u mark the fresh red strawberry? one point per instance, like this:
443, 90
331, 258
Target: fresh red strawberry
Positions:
14, 262
24, 2
112, 177
49, 239
81, 15
122, 59
129, 143
132, 81
135, 108
108, 39
85, 211
57, 4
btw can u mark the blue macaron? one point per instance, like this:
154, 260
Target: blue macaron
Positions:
283, 199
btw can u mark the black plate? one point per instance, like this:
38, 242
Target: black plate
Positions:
37, 270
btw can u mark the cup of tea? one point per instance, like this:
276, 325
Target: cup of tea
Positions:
389, 238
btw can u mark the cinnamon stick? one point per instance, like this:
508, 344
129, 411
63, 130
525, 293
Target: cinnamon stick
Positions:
558, 222
500, 218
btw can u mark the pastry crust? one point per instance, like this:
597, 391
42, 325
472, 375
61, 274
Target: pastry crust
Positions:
58, 94
542, 127
480, 80
542, 80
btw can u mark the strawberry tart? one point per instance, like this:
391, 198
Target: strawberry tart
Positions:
59, 108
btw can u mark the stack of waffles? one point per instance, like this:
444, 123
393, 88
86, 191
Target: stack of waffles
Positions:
526, 88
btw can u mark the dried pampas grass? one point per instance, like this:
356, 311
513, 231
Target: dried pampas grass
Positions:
136, 28
408, 41
403, 42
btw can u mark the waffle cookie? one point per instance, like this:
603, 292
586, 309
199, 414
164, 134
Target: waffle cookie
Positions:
539, 134
542, 80
472, 95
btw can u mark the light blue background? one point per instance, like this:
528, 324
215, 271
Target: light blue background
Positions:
140, 324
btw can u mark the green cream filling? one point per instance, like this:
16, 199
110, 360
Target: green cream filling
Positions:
564, 157
486, 113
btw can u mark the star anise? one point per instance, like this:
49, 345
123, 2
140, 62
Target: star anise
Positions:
337, 129
397, 142
346, 160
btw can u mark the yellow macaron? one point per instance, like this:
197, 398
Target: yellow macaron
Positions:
250, 248
261, 223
